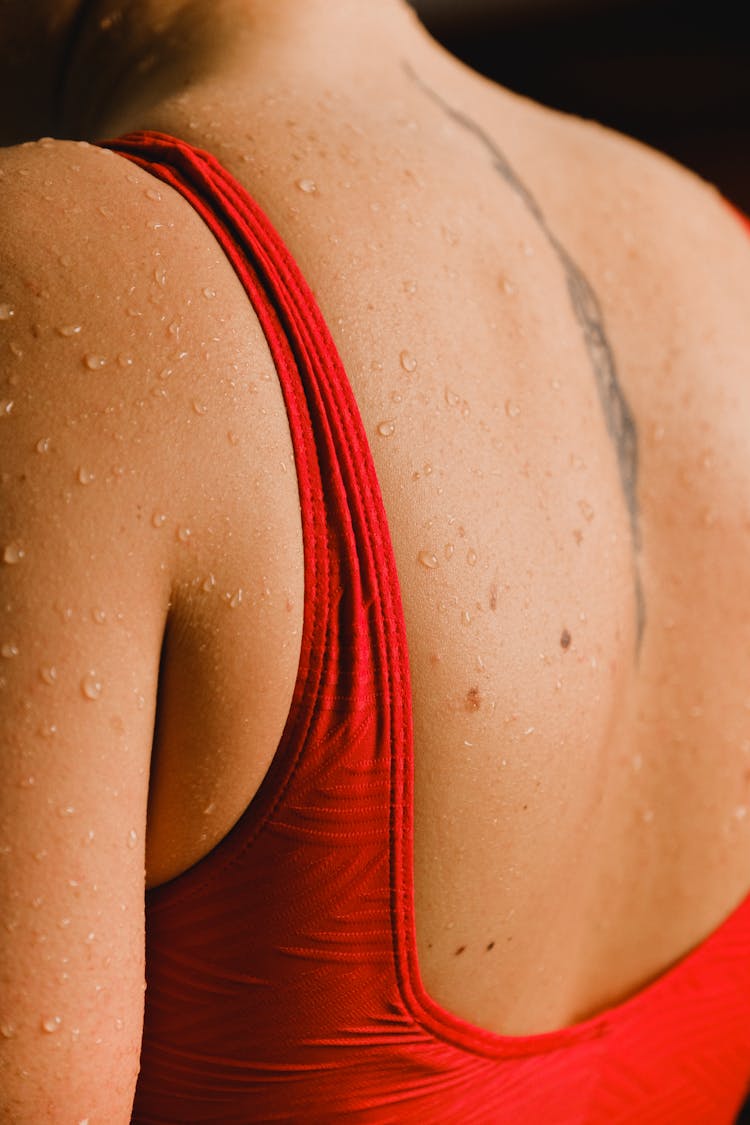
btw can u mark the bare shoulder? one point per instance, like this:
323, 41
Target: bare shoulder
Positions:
672, 228
128, 332
668, 257
129, 437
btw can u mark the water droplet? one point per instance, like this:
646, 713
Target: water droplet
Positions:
448, 550
512, 409
208, 583
68, 329
507, 286
9, 649
85, 476
307, 185
235, 599
451, 397
91, 685
6, 406
158, 519
66, 810
43, 445
27, 782
183, 534
740, 812
407, 361
410, 286
7, 1030
209, 808
471, 556
125, 360
51, 1024
48, 673
47, 730
16, 349
13, 553
199, 407
152, 193
386, 428
132, 838
160, 276
427, 559
6, 311
209, 293
94, 362
465, 617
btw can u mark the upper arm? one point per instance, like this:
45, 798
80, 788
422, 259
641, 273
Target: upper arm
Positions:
84, 588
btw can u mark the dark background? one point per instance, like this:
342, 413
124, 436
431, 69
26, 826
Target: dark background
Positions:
675, 75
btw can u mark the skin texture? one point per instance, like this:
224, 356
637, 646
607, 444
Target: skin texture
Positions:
554, 321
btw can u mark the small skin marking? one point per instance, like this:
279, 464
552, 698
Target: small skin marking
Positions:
460, 949
490, 946
588, 312
473, 699
565, 639
493, 596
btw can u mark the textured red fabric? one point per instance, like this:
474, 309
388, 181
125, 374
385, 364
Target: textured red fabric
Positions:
282, 974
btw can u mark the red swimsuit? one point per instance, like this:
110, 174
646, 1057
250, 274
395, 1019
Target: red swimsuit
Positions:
282, 974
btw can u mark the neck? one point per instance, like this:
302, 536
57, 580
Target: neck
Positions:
129, 57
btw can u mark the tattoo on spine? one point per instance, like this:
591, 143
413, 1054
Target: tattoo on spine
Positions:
588, 312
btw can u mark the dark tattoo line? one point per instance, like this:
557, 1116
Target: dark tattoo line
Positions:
588, 312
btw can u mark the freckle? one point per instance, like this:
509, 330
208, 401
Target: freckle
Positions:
460, 949
565, 639
473, 699
490, 946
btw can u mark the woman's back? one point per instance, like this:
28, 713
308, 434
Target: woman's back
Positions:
542, 328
